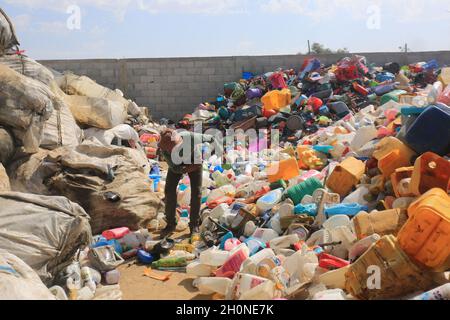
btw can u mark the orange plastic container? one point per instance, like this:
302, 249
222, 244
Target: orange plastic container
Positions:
346, 176
426, 235
399, 275
430, 171
283, 170
276, 99
397, 177
392, 154
308, 159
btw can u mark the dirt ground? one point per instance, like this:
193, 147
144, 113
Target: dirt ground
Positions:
136, 286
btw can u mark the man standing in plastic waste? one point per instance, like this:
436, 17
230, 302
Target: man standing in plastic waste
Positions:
183, 153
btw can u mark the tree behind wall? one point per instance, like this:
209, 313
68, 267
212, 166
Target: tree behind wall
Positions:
318, 48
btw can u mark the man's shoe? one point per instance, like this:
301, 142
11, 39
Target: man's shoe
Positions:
168, 231
195, 235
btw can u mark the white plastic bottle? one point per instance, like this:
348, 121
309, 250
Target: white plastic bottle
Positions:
199, 270
441, 293
284, 242
88, 279
251, 264
334, 294
265, 234
211, 285
363, 135
435, 92
270, 200
214, 257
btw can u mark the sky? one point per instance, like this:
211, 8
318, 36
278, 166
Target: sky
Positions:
81, 29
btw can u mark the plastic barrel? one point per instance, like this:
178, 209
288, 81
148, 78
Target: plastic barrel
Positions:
297, 193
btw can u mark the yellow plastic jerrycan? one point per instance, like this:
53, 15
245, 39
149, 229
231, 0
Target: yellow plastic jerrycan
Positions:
392, 154
445, 76
346, 176
276, 99
430, 171
283, 170
426, 235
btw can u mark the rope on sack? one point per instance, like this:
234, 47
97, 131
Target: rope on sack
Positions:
58, 121
22, 60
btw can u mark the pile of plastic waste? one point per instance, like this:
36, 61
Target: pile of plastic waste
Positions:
352, 204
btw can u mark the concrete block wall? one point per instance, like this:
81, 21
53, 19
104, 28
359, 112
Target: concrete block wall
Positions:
173, 87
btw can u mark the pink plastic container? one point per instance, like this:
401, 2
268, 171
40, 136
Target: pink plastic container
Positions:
118, 233
233, 264
444, 97
231, 244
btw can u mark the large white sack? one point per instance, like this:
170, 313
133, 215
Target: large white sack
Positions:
28, 67
6, 146
8, 37
96, 112
4, 180
19, 282
106, 137
61, 129
25, 105
84, 86
45, 232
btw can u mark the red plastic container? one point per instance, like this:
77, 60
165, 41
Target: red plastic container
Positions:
118, 233
329, 262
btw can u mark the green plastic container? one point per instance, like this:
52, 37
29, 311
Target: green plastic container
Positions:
393, 95
170, 263
297, 193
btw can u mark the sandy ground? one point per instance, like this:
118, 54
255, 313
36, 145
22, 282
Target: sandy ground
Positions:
136, 286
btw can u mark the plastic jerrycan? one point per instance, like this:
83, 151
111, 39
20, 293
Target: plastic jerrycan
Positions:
214, 257
444, 97
346, 176
234, 262
445, 76
211, 285
276, 99
243, 283
425, 237
381, 222
251, 264
199, 270
392, 154
363, 136
284, 242
431, 131
265, 291
430, 171
117, 233
399, 274
283, 170
269, 200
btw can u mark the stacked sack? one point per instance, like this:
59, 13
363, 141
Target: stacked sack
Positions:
71, 163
